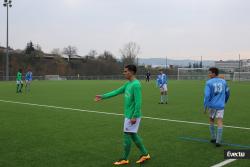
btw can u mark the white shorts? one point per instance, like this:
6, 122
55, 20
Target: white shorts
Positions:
19, 82
164, 88
132, 128
27, 81
213, 113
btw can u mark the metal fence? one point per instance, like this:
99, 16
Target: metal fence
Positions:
140, 77
110, 77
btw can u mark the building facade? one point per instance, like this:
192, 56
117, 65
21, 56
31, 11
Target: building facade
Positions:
233, 65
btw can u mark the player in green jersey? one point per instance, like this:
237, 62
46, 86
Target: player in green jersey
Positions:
19, 81
132, 113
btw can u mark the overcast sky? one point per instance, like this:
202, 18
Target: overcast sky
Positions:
178, 29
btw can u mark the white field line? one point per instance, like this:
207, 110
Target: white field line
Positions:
223, 163
107, 113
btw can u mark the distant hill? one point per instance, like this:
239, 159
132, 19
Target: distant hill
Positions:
162, 62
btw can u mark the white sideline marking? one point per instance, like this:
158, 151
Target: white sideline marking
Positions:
107, 113
223, 163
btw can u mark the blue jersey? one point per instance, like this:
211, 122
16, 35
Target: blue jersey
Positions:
28, 76
216, 94
162, 79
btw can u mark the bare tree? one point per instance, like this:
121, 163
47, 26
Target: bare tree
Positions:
107, 64
107, 56
29, 48
38, 48
56, 51
129, 53
70, 51
91, 55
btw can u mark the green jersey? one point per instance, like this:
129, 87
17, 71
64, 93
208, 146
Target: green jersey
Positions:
132, 98
19, 76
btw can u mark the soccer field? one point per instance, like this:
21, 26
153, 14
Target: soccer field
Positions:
58, 124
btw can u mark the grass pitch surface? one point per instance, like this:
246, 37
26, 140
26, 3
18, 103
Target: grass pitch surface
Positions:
38, 136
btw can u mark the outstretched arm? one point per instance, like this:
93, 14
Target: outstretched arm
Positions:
110, 94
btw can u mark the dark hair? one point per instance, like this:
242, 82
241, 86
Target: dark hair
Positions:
131, 68
214, 70
20, 70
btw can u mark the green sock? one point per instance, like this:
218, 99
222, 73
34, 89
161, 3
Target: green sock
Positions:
17, 88
138, 142
126, 145
21, 87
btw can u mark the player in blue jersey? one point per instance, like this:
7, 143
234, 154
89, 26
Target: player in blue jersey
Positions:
162, 81
28, 79
216, 96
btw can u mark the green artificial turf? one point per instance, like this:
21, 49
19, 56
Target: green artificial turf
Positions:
38, 136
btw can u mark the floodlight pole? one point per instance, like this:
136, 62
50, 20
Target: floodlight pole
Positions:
178, 76
201, 63
7, 46
137, 63
7, 4
239, 67
166, 62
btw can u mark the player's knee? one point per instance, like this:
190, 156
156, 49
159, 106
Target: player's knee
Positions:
211, 120
220, 122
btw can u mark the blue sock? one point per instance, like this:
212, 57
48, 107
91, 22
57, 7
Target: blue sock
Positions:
219, 135
212, 131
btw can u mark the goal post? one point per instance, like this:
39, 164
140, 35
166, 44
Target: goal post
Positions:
241, 76
198, 74
52, 77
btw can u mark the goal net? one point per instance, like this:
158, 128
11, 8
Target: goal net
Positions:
192, 73
52, 77
241, 76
